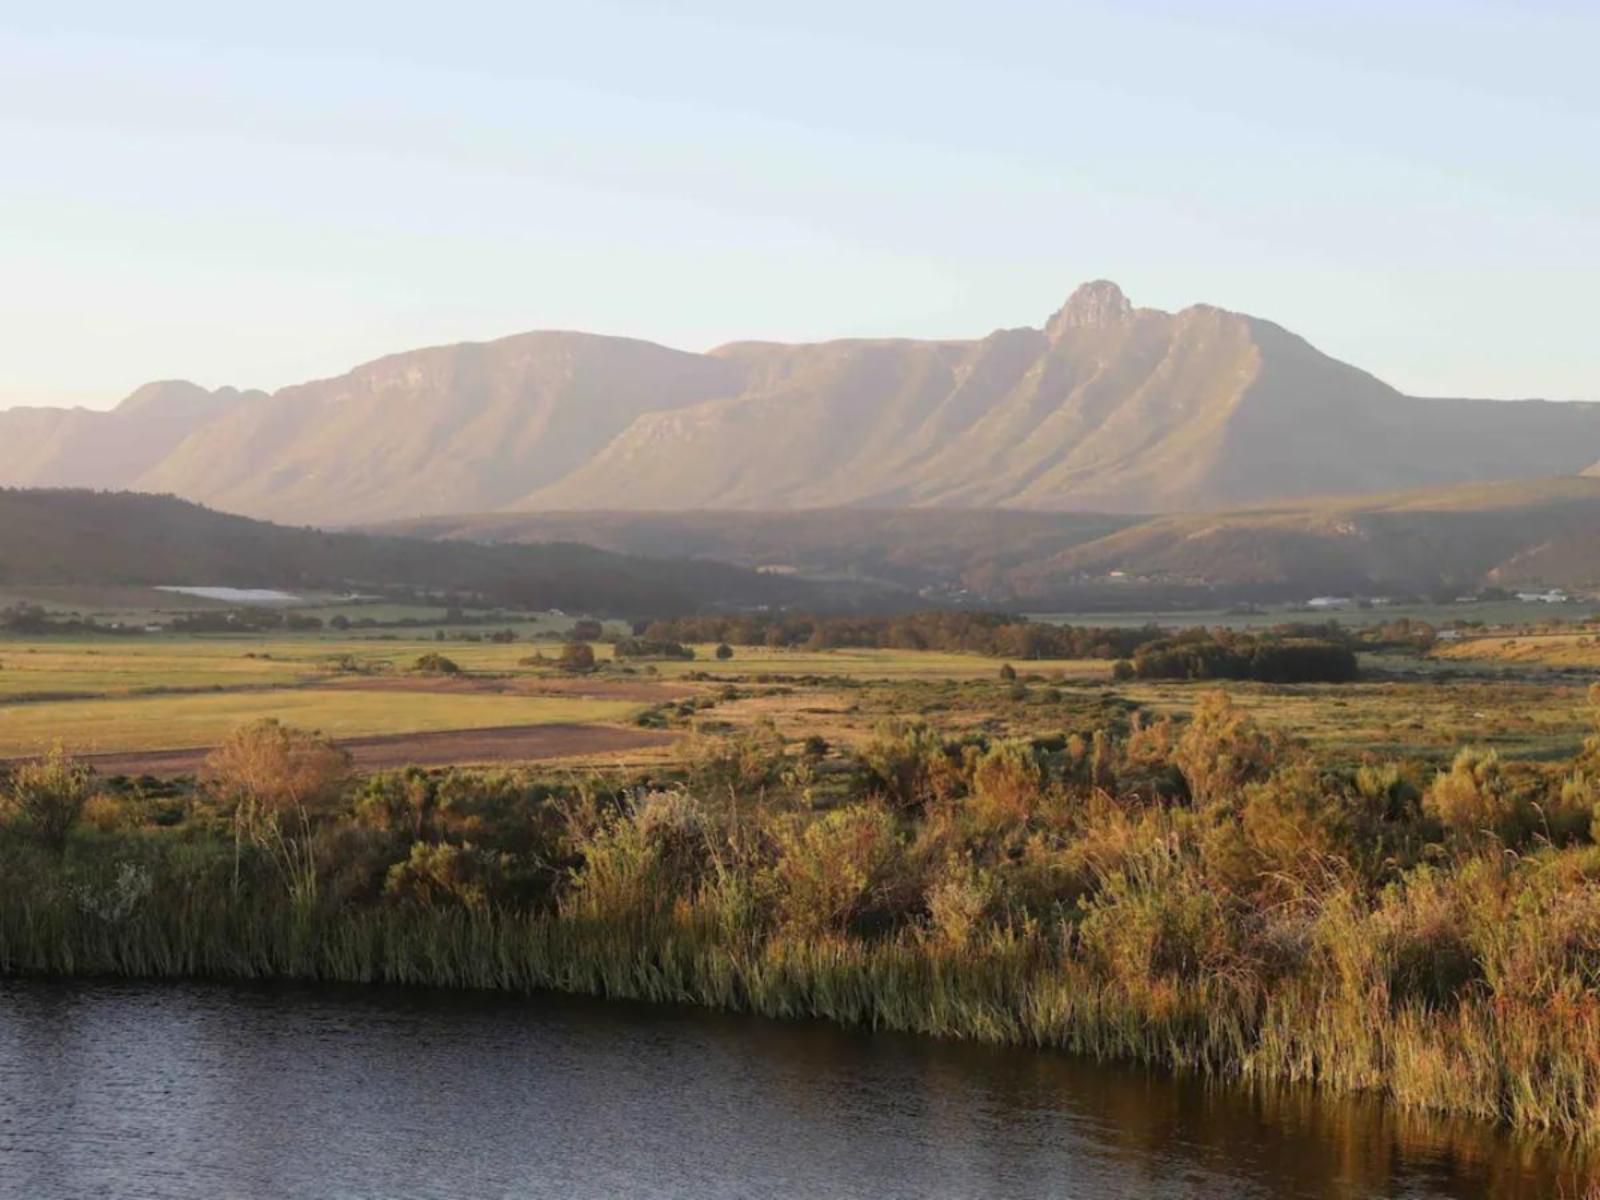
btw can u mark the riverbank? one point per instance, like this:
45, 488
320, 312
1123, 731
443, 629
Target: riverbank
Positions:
1198, 897
189, 1090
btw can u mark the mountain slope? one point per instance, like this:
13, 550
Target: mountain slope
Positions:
76, 447
1462, 536
1107, 408
456, 428
80, 537
913, 548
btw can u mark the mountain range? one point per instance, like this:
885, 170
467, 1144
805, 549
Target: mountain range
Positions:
1106, 408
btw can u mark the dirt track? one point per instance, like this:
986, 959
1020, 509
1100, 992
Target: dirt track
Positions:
506, 744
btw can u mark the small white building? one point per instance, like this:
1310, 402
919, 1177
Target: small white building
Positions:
1326, 603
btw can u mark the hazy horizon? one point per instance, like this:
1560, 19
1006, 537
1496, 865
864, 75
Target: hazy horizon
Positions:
208, 195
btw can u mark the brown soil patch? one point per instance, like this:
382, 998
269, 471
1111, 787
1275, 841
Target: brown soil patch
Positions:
505, 744
644, 691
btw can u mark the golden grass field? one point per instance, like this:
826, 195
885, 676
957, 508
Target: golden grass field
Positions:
172, 722
111, 695
1528, 649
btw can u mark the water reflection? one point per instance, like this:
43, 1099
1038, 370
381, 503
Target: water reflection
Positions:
191, 1091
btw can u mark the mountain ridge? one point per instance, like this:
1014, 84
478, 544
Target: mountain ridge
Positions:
1106, 407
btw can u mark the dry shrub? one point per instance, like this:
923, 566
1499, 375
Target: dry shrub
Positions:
1155, 919
1222, 749
838, 869
1472, 797
1483, 796
1006, 784
741, 765
1425, 931
961, 901
445, 875
281, 780
638, 863
106, 813
909, 765
1295, 827
46, 797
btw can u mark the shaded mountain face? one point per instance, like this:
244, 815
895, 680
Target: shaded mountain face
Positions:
58, 536
1543, 532
1534, 532
1106, 408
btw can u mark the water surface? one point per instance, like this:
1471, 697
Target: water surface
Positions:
289, 1092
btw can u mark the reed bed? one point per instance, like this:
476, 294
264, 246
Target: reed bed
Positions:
1200, 898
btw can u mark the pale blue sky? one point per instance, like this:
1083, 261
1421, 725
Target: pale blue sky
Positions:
263, 194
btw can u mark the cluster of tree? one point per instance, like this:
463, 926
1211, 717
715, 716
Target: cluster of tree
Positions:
999, 634
1228, 654
634, 647
33, 620
245, 620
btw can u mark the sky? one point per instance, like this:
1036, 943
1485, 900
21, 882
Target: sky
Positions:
258, 195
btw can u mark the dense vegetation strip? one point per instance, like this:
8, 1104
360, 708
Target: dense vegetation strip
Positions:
1203, 895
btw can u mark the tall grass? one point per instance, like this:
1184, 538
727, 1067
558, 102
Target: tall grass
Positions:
1284, 925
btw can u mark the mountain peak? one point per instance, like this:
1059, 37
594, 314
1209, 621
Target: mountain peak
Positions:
163, 394
1093, 305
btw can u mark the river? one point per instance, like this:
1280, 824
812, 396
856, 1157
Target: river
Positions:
133, 1091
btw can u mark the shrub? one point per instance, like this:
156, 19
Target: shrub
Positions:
909, 764
637, 862
1155, 918
960, 902
435, 664
576, 657
436, 874
739, 765
1474, 797
834, 870
48, 796
724, 652
1222, 749
280, 780
1006, 782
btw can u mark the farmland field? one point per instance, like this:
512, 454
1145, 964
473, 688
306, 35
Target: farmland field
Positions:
1077, 826
129, 695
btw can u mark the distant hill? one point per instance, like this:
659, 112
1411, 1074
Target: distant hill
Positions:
82, 537
1539, 532
910, 548
1107, 407
1543, 532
